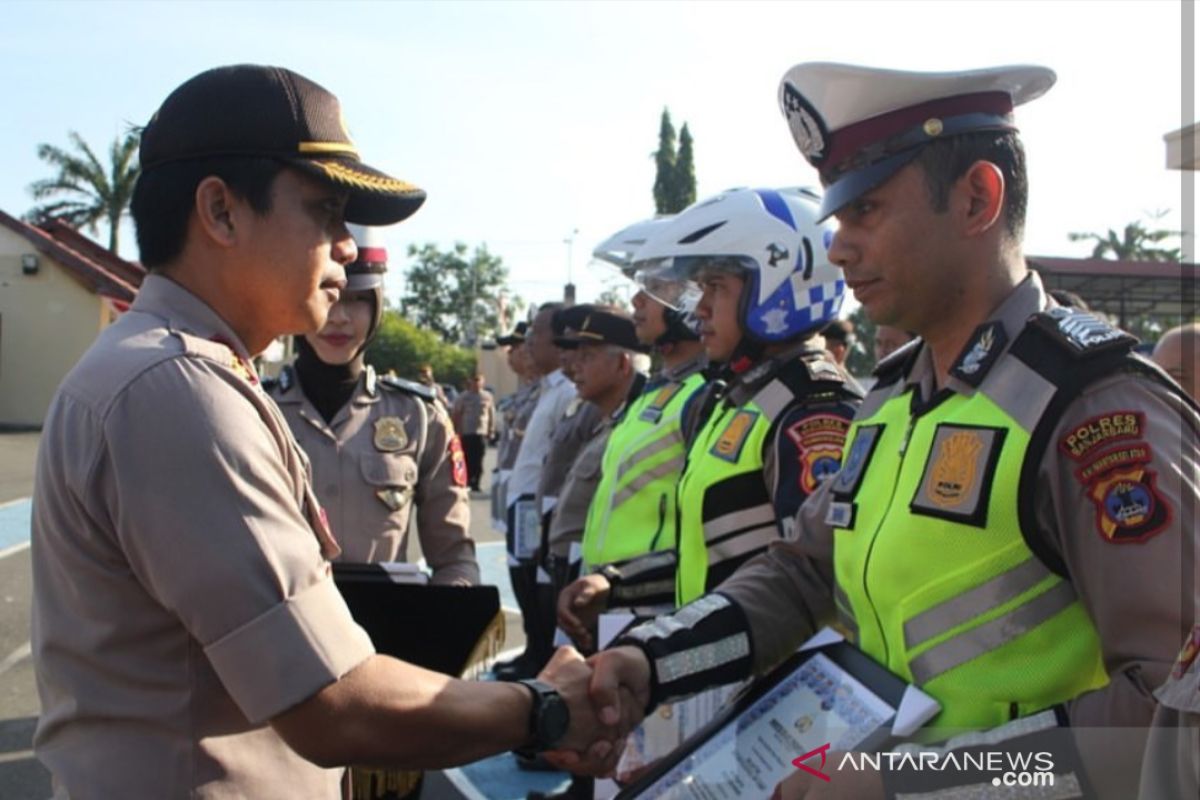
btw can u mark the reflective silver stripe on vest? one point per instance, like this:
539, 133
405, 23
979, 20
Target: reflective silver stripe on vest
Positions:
684, 619
992, 634
648, 477
773, 398
745, 542
736, 520
702, 659
969, 605
845, 616
648, 451
640, 590
646, 563
1021, 392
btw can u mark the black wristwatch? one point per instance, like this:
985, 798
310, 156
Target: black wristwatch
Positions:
549, 718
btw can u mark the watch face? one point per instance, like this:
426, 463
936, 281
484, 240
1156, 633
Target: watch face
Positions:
555, 719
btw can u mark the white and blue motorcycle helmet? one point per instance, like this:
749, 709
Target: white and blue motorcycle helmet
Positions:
771, 238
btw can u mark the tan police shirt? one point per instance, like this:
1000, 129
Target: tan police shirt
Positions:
570, 434
474, 414
385, 451
182, 595
1132, 591
570, 514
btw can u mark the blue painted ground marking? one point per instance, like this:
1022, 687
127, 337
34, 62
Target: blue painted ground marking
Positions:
15, 519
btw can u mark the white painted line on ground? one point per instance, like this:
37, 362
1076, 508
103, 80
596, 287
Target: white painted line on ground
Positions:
7, 503
20, 755
15, 657
463, 784
16, 548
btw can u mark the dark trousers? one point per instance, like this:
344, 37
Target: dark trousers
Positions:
474, 447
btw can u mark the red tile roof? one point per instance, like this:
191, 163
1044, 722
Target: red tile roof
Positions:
97, 268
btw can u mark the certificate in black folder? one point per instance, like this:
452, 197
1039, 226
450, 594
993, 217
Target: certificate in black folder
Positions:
832, 696
447, 629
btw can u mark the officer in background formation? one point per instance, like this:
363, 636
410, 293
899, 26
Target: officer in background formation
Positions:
769, 429
378, 446
633, 511
523, 518
609, 375
474, 416
513, 412
1032, 460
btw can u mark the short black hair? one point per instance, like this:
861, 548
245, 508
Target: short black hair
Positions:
164, 197
944, 161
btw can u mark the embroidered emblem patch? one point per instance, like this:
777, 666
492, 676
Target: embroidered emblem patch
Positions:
958, 474
1187, 656
1082, 329
1128, 506
819, 440
458, 462
1120, 456
389, 434
1092, 433
858, 455
729, 445
808, 129
985, 347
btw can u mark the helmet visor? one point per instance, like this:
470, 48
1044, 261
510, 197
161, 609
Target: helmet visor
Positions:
675, 281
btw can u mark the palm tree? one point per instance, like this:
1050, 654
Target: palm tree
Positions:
1135, 243
93, 193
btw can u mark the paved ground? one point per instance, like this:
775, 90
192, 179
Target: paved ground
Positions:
23, 778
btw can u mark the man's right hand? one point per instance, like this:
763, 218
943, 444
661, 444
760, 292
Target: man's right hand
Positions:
580, 606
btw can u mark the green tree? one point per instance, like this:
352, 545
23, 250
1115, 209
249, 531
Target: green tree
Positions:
683, 189
664, 166
1137, 242
453, 293
401, 347
860, 361
89, 191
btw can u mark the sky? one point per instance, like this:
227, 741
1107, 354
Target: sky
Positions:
532, 124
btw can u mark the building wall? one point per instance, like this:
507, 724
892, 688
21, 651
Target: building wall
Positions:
47, 321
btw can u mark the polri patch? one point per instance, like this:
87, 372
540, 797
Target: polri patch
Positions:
1129, 507
458, 462
957, 481
819, 440
1119, 456
390, 435
849, 478
733, 438
1101, 430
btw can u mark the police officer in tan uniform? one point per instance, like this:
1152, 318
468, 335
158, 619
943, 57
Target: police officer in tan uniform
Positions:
187, 637
925, 174
378, 446
474, 416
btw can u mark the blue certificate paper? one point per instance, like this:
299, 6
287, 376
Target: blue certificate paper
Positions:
832, 697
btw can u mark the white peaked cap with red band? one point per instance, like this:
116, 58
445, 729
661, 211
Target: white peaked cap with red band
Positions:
859, 125
368, 268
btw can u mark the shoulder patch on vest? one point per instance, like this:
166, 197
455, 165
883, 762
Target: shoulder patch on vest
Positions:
731, 441
653, 411
896, 364
1101, 430
1081, 332
1129, 507
412, 387
819, 439
858, 455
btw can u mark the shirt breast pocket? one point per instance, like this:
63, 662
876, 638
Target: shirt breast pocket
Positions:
392, 478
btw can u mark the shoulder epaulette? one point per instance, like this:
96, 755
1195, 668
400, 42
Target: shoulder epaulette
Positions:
1081, 333
412, 387
896, 364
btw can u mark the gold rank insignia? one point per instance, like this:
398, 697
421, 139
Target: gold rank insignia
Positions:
955, 469
729, 446
389, 434
958, 474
